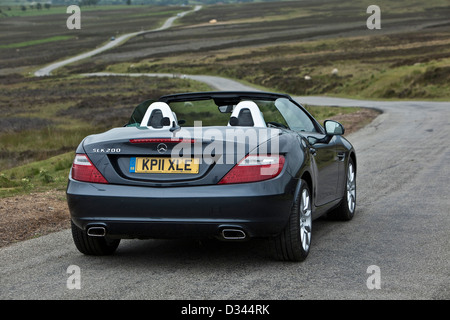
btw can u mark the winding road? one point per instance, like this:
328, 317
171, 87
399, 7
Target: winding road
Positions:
46, 71
401, 229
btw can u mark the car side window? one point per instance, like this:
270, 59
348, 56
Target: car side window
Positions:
270, 112
295, 117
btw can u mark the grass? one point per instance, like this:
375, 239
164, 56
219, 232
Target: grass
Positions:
39, 176
322, 113
34, 42
412, 70
16, 11
429, 80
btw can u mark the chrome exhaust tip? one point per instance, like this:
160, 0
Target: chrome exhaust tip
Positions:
96, 231
233, 234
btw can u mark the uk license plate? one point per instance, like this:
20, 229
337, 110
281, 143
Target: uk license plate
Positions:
164, 165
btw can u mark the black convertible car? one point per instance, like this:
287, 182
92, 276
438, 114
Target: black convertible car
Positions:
230, 165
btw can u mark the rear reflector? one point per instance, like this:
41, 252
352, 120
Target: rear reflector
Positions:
162, 140
254, 168
84, 170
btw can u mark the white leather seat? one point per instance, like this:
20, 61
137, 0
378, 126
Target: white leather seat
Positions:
248, 115
154, 114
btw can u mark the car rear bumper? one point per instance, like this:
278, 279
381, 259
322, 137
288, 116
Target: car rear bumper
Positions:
259, 210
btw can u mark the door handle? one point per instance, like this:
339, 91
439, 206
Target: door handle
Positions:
341, 156
313, 151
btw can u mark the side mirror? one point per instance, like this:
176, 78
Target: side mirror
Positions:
226, 109
313, 140
165, 121
333, 128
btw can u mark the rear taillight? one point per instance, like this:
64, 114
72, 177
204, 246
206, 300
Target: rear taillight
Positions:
84, 170
254, 168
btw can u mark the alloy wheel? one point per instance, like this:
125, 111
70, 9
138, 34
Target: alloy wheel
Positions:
351, 188
305, 220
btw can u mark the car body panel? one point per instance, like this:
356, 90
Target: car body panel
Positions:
262, 211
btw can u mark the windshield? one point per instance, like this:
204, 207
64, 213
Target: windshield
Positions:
279, 112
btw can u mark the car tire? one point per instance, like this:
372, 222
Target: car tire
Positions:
346, 209
96, 246
294, 242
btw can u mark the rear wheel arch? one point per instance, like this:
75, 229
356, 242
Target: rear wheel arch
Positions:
308, 179
353, 157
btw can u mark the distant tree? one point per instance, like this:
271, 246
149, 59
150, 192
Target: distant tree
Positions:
23, 8
128, 2
47, 6
39, 6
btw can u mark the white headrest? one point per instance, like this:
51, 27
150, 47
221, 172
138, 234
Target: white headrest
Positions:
258, 118
166, 112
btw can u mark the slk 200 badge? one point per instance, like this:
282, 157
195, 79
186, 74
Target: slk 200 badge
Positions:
106, 150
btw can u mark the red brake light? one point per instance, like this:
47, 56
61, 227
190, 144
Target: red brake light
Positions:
84, 170
254, 168
162, 140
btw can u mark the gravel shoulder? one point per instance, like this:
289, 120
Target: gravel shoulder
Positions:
33, 215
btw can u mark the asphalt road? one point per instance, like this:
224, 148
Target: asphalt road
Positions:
401, 226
